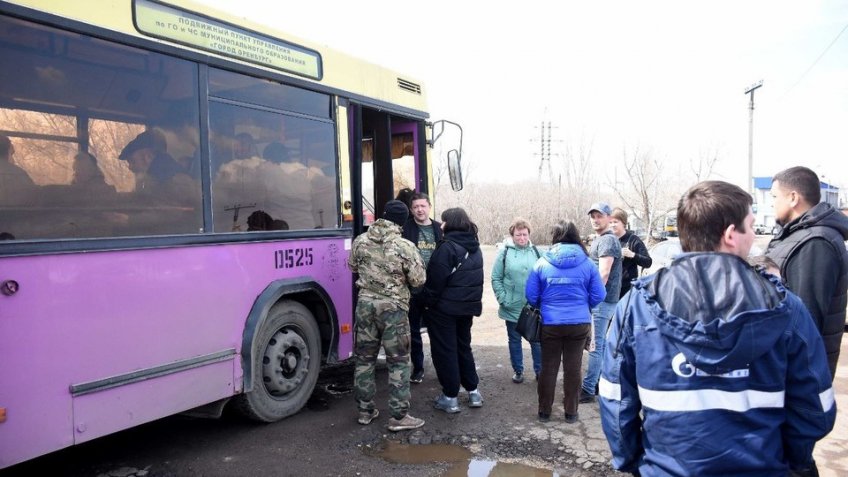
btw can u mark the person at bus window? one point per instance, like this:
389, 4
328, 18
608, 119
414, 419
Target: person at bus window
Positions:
279, 224
244, 146
453, 296
259, 220
388, 266
16, 187
710, 355
633, 251
425, 233
509, 276
147, 157
6, 236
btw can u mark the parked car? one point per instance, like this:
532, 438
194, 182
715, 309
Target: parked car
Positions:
666, 251
662, 254
761, 229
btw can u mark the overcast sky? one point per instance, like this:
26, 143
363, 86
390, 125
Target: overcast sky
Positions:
666, 76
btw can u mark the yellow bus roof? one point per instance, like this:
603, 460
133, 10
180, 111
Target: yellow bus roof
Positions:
340, 71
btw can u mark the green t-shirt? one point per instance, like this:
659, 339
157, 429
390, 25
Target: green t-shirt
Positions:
426, 242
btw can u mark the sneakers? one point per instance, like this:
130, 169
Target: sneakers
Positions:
365, 417
449, 405
518, 378
544, 417
475, 399
571, 418
586, 397
417, 376
405, 423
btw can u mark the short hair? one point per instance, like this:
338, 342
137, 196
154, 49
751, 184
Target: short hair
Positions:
803, 181
418, 196
706, 210
519, 223
456, 219
619, 214
405, 195
565, 231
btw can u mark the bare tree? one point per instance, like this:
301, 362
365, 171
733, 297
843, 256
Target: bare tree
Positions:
703, 166
650, 191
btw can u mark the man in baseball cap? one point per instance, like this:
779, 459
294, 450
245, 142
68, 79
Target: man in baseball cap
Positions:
605, 251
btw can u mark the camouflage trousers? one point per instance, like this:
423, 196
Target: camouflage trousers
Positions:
380, 322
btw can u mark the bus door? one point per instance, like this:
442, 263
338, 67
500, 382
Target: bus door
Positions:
389, 154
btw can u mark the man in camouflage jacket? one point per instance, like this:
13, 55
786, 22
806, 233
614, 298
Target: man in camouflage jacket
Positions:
388, 265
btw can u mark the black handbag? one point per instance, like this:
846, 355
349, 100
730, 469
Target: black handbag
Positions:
529, 324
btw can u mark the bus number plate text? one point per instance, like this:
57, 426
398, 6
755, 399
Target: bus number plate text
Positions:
293, 258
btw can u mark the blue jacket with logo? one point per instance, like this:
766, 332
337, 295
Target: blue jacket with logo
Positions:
567, 283
712, 368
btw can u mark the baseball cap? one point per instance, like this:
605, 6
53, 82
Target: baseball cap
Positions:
601, 207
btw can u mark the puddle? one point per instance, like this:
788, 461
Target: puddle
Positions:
463, 463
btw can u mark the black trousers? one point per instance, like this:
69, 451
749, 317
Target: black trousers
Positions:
450, 348
416, 321
562, 344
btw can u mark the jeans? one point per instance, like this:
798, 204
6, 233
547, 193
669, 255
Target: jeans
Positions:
601, 316
516, 354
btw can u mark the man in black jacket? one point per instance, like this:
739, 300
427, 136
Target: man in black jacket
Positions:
810, 251
424, 233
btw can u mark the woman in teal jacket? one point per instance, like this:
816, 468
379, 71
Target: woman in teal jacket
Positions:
509, 275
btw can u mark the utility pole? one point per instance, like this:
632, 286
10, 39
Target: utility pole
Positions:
750, 91
545, 151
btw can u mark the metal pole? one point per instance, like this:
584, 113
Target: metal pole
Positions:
751, 137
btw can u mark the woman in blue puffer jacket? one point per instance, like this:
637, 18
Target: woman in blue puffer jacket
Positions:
566, 285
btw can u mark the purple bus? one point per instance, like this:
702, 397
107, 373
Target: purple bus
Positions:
176, 216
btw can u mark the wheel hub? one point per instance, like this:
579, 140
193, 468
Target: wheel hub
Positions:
285, 363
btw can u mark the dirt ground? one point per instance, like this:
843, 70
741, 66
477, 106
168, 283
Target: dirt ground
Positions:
325, 440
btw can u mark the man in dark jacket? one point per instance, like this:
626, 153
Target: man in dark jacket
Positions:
633, 250
711, 367
424, 233
810, 251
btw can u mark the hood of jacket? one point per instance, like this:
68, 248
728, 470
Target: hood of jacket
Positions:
716, 309
822, 214
468, 240
565, 255
383, 230
508, 243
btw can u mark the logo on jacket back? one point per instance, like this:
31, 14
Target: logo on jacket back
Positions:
684, 369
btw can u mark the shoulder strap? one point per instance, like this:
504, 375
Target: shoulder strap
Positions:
461, 261
536, 251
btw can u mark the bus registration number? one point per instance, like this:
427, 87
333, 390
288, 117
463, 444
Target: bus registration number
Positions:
293, 257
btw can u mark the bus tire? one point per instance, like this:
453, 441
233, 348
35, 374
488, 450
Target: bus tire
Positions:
286, 361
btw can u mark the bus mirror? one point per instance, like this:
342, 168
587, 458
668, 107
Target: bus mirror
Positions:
455, 170
451, 142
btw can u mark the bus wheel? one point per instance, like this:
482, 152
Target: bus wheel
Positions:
286, 363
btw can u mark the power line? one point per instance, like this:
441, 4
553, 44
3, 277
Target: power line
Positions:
817, 60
